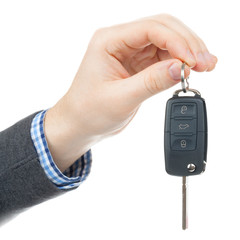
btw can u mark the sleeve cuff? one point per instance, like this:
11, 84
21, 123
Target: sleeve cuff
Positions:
70, 178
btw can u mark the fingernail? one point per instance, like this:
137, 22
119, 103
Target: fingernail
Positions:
175, 71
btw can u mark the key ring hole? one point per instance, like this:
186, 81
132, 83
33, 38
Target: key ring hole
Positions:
189, 90
189, 93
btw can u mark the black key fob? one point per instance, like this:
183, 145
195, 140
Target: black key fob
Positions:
185, 135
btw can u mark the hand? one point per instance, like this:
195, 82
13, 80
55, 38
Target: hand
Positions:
123, 66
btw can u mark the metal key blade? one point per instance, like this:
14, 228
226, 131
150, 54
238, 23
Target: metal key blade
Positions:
184, 203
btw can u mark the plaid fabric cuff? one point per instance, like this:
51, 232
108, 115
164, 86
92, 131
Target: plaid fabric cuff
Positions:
70, 178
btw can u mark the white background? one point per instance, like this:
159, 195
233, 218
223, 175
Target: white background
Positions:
128, 194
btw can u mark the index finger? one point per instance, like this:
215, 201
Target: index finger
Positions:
136, 35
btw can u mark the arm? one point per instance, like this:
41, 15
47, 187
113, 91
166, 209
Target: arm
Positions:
123, 66
23, 182
28, 173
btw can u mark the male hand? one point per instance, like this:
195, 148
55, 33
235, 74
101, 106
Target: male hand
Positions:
123, 66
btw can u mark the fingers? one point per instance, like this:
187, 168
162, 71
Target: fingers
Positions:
205, 60
121, 39
152, 80
165, 32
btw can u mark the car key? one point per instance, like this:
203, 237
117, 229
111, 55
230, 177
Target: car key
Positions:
185, 138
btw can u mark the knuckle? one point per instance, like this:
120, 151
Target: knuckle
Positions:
197, 40
99, 32
204, 48
150, 22
151, 84
97, 39
166, 16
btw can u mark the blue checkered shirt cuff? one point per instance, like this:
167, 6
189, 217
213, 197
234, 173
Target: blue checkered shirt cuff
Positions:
70, 178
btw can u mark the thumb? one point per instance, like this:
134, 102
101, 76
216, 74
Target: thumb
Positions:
154, 79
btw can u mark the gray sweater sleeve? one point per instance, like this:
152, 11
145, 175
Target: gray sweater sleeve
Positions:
23, 182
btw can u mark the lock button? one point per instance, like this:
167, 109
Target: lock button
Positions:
183, 142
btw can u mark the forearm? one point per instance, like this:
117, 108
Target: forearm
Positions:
23, 183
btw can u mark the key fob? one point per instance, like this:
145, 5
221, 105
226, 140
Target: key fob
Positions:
185, 135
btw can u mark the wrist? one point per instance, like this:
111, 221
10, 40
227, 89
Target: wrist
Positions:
67, 138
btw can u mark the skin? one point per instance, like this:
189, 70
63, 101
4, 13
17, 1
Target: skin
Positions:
123, 66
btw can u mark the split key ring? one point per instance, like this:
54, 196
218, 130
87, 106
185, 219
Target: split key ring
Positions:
183, 79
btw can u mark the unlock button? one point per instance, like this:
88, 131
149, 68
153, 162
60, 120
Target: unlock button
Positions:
184, 110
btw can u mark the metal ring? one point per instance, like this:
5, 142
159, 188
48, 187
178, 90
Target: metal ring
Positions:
184, 88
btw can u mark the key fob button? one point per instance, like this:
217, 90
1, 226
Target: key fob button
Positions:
183, 143
184, 110
183, 125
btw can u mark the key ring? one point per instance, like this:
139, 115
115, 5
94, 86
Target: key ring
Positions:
184, 88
